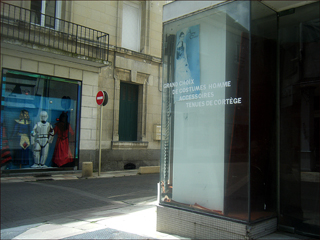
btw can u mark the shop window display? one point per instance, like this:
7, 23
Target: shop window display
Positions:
39, 121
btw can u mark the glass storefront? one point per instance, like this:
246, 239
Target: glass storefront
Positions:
240, 114
299, 41
219, 104
40, 120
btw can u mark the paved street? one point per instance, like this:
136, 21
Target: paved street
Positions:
116, 205
100, 208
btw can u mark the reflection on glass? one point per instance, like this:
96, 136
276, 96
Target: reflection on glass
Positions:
300, 88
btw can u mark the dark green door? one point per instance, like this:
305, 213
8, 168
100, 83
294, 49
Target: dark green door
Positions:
128, 116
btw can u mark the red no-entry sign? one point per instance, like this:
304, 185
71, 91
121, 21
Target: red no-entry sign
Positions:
102, 98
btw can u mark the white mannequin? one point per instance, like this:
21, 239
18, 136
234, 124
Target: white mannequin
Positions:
41, 136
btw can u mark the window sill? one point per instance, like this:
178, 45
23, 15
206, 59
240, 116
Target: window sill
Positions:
128, 145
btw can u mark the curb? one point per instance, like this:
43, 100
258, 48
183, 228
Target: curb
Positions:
76, 175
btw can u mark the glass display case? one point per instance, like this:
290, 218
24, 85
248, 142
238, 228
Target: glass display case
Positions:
218, 152
40, 120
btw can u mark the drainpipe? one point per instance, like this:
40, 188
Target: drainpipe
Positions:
114, 65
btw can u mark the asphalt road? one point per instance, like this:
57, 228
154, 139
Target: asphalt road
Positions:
27, 203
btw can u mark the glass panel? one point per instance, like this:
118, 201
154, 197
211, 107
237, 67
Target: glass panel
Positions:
300, 87
39, 120
263, 125
204, 152
36, 11
50, 13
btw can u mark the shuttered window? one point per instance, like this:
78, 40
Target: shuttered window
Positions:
131, 26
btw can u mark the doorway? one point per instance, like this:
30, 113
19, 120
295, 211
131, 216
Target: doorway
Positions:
299, 119
128, 116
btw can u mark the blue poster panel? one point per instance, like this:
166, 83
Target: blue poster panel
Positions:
187, 63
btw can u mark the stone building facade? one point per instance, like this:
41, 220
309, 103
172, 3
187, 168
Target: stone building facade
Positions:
126, 64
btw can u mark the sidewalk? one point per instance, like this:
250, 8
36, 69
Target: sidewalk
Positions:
117, 221
130, 222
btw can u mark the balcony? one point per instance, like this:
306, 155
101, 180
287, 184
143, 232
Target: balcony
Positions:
27, 28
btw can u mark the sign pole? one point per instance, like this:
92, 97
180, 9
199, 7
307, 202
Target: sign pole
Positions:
101, 110
102, 100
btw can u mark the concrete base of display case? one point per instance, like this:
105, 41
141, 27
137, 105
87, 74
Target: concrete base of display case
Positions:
198, 226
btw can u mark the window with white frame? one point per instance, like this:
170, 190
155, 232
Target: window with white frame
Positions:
131, 25
45, 13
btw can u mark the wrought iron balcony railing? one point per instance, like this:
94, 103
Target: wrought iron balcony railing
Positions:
33, 27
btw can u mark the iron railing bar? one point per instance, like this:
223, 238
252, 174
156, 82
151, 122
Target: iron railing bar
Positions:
90, 49
29, 26
49, 30
99, 45
66, 34
8, 20
19, 24
84, 41
55, 33
14, 17
93, 45
68, 37
2, 20
100, 52
54, 37
108, 47
88, 45
81, 40
49, 42
24, 25
42, 30
39, 30
98, 49
34, 35
63, 35
76, 50
2, 14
